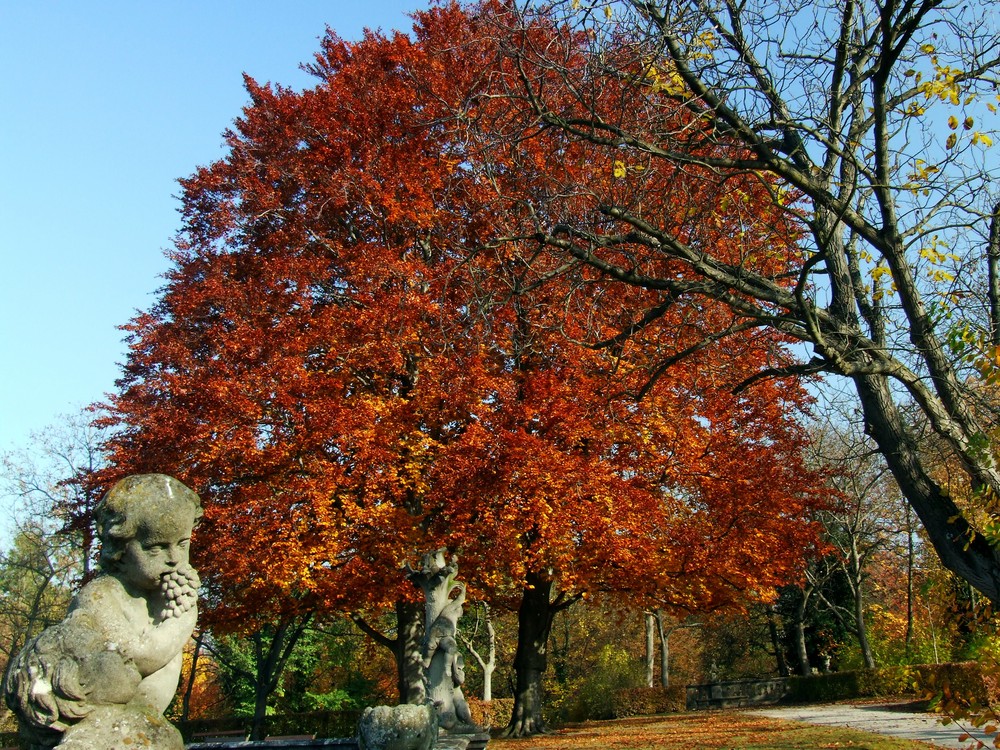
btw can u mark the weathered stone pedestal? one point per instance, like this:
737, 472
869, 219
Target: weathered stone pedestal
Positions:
462, 740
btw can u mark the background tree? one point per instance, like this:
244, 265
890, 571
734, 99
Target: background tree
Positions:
869, 123
864, 520
35, 578
484, 630
48, 554
255, 666
293, 667
658, 632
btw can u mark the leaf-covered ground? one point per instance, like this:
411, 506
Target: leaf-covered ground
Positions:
717, 730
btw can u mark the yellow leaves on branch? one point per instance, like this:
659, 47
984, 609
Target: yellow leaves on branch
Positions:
608, 10
879, 272
663, 77
878, 290
667, 80
620, 169
982, 138
946, 86
921, 174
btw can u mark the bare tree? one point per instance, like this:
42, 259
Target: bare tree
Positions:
656, 629
864, 519
868, 122
48, 554
487, 663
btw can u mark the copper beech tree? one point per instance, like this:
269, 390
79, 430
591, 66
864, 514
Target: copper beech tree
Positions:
353, 371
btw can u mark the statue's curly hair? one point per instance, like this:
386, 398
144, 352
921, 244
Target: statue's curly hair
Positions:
117, 518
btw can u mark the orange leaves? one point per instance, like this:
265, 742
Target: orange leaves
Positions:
352, 370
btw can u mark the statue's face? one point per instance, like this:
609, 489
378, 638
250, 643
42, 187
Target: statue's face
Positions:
160, 546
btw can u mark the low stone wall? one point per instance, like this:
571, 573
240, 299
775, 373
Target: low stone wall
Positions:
445, 742
736, 693
341, 744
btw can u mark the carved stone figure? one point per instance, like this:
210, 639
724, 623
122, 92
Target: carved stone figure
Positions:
103, 676
443, 664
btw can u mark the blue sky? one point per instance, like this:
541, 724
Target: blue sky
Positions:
103, 106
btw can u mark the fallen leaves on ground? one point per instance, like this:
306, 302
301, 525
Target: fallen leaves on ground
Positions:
724, 731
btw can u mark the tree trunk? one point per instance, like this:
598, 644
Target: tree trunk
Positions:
963, 551
993, 274
271, 659
805, 668
650, 647
534, 623
489, 664
664, 649
260, 695
406, 648
909, 580
862, 627
408, 651
776, 644
855, 576
189, 689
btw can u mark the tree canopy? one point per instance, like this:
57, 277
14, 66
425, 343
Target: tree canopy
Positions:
353, 365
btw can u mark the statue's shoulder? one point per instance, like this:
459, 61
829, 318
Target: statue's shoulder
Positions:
98, 594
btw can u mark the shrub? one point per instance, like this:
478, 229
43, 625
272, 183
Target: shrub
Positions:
592, 695
646, 701
967, 679
855, 683
494, 714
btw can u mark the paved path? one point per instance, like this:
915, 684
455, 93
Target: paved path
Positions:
892, 719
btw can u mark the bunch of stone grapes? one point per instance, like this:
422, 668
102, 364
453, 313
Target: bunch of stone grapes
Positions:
180, 591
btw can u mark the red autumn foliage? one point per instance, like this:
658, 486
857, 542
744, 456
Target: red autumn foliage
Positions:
352, 367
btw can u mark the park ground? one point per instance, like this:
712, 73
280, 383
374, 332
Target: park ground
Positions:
799, 728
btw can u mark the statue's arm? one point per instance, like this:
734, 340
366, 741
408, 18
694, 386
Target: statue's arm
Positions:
126, 626
158, 688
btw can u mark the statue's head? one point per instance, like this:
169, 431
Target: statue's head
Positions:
141, 507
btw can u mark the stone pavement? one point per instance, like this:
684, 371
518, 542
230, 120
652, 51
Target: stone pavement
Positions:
897, 720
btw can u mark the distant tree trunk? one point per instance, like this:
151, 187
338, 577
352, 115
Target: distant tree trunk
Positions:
993, 264
405, 647
862, 628
664, 649
909, 579
189, 689
855, 577
805, 668
489, 664
776, 644
650, 647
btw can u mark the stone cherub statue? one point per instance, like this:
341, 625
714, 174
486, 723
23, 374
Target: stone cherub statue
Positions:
103, 676
443, 665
